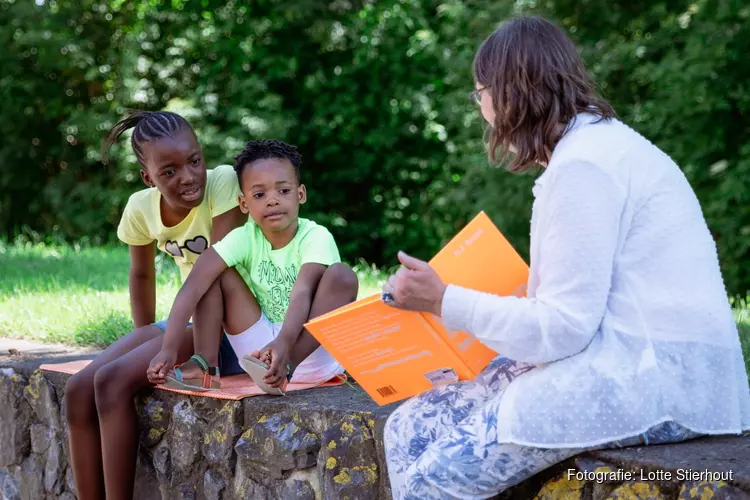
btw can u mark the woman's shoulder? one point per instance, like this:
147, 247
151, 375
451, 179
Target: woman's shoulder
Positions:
610, 145
221, 176
595, 141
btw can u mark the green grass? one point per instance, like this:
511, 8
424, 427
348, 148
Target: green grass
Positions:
79, 295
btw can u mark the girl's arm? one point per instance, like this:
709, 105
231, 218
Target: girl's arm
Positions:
142, 283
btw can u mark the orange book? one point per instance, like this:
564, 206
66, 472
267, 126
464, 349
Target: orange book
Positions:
395, 354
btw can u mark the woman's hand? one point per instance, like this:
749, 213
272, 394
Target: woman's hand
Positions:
415, 287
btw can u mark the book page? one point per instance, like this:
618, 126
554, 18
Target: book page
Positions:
349, 307
475, 354
392, 354
479, 258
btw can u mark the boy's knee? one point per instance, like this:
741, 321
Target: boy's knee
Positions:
80, 405
229, 280
341, 277
209, 297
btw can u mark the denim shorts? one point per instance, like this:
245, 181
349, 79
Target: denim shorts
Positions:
228, 362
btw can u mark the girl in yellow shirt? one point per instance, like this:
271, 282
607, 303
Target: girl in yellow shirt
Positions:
185, 209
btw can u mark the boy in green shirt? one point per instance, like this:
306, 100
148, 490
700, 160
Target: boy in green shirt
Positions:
295, 274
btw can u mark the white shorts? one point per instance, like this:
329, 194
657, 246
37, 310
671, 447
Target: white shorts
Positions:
319, 367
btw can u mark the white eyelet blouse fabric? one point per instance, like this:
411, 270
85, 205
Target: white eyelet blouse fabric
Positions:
626, 317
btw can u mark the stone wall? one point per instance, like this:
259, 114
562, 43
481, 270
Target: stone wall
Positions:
313, 445
203, 448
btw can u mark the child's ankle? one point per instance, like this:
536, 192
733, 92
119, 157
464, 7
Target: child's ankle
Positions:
212, 361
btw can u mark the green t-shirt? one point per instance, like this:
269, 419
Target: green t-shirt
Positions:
273, 272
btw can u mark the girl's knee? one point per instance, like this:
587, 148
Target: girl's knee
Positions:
112, 387
80, 406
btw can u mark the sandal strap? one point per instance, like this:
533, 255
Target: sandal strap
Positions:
203, 364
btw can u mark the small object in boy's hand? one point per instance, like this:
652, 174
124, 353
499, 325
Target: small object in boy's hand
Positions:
387, 298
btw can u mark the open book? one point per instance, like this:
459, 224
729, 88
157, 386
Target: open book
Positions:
395, 354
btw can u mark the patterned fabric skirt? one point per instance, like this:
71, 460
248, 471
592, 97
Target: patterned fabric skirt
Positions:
443, 444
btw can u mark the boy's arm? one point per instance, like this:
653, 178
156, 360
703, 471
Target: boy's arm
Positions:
206, 270
298, 312
300, 301
142, 284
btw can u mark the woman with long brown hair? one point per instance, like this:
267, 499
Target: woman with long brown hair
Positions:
626, 335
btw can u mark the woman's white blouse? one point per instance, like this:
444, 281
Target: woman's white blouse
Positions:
626, 315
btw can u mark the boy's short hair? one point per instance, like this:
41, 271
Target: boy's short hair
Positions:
266, 149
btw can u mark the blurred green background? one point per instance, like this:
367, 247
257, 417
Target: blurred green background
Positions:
374, 94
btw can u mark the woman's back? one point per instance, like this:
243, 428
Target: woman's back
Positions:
665, 262
665, 346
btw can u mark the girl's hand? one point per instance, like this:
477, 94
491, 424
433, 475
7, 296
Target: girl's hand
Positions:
416, 287
160, 366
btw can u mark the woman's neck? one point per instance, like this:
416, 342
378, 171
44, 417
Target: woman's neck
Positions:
558, 133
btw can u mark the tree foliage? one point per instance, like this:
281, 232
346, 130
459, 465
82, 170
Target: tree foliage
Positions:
375, 95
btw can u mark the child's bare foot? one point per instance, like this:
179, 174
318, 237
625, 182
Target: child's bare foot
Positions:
194, 374
190, 370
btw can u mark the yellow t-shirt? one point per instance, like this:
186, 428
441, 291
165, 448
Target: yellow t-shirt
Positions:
141, 222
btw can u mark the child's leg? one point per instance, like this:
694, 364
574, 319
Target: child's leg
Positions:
116, 384
338, 287
228, 301
83, 420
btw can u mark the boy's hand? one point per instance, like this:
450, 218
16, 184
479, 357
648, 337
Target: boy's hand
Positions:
416, 286
277, 356
160, 366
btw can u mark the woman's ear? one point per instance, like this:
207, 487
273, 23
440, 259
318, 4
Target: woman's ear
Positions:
302, 192
147, 178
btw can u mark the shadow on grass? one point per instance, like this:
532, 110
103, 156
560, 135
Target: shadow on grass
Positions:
102, 331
